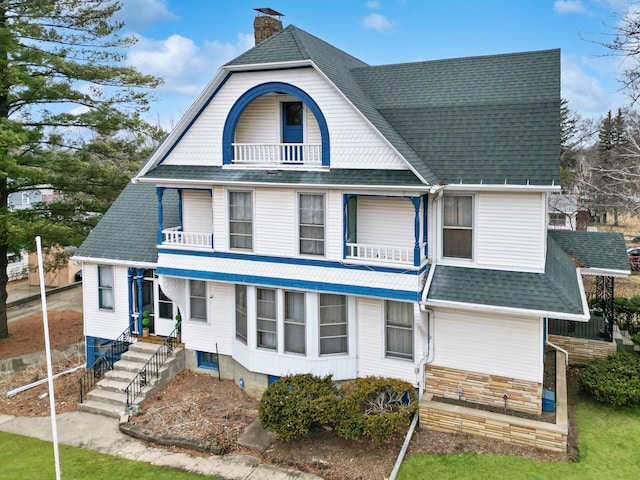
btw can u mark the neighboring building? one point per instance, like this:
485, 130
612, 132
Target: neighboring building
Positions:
27, 198
312, 213
566, 212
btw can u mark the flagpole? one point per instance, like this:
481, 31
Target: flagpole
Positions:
52, 400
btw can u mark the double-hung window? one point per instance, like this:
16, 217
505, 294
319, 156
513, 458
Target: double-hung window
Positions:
266, 321
311, 220
198, 300
457, 226
241, 220
399, 330
294, 323
105, 287
333, 324
241, 313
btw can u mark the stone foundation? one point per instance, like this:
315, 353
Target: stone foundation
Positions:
450, 418
582, 350
523, 395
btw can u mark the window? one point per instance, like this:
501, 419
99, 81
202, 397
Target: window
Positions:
207, 360
399, 330
165, 305
105, 287
311, 218
557, 219
333, 324
241, 313
267, 327
198, 300
457, 226
294, 324
240, 220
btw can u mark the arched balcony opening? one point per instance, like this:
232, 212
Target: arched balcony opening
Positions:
276, 124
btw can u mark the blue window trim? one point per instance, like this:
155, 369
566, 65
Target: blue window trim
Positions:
270, 87
202, 364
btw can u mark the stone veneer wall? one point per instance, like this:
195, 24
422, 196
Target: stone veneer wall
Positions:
446, 417
524, 396
582, 350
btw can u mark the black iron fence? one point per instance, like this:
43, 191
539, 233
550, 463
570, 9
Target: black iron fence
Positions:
109, 354
151, 369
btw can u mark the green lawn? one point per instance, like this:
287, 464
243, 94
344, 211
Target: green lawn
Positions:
608, 443
29, 458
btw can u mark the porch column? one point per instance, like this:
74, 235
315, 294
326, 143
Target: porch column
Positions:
130, 283
416, 231
160, 192
425, 225
140, 283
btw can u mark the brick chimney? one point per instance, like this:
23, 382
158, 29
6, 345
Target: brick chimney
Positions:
266, 24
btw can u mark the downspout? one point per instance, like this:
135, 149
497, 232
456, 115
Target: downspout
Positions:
553, 345
428, 357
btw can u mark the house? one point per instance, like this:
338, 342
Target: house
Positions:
313, 213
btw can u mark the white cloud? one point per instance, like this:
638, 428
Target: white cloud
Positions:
373, 4
584, 90
139, 14
184, 66
377, 22
569, 6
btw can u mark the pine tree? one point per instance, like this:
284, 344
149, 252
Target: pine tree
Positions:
55, 55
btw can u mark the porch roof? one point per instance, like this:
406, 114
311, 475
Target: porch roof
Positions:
337, 176
556, 292
128, 232
594, 250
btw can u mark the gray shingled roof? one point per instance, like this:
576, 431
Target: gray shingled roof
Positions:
360, 177
491, 119
129, 229
555, 291
598, 250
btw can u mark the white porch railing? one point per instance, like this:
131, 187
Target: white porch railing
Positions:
175, 236
379, 253
290, 154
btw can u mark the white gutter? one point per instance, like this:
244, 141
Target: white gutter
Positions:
110, 261
498, 187
177, 183
605, 272
508, 310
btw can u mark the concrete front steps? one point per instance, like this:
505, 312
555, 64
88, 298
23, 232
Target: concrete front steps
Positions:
108, 398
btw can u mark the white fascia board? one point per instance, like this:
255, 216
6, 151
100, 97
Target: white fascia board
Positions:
605, 272
178, 183
110, 261
480, 187
184, 122
252, 67
521, 312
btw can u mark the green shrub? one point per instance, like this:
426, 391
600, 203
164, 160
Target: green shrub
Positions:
375, 408
614, 380
636, 339
293, 404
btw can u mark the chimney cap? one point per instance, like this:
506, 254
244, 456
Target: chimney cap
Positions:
269, 11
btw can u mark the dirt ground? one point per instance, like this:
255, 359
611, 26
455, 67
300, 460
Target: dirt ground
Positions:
200, 407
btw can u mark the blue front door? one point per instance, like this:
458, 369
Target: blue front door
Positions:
292, 130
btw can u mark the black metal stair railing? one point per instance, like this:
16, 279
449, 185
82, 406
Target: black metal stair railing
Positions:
151, 369
110, 354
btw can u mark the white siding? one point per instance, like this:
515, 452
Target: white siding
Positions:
386, 221
334, 237
354, 143
275, 231
219, 327
371, 357
221, 216
197, 211
510, 230
489, 343
259, 122
105, 323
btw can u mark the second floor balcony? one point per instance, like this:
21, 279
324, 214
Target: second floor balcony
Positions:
277, 154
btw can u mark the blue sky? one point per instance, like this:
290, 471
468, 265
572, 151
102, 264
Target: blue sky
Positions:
186, 41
